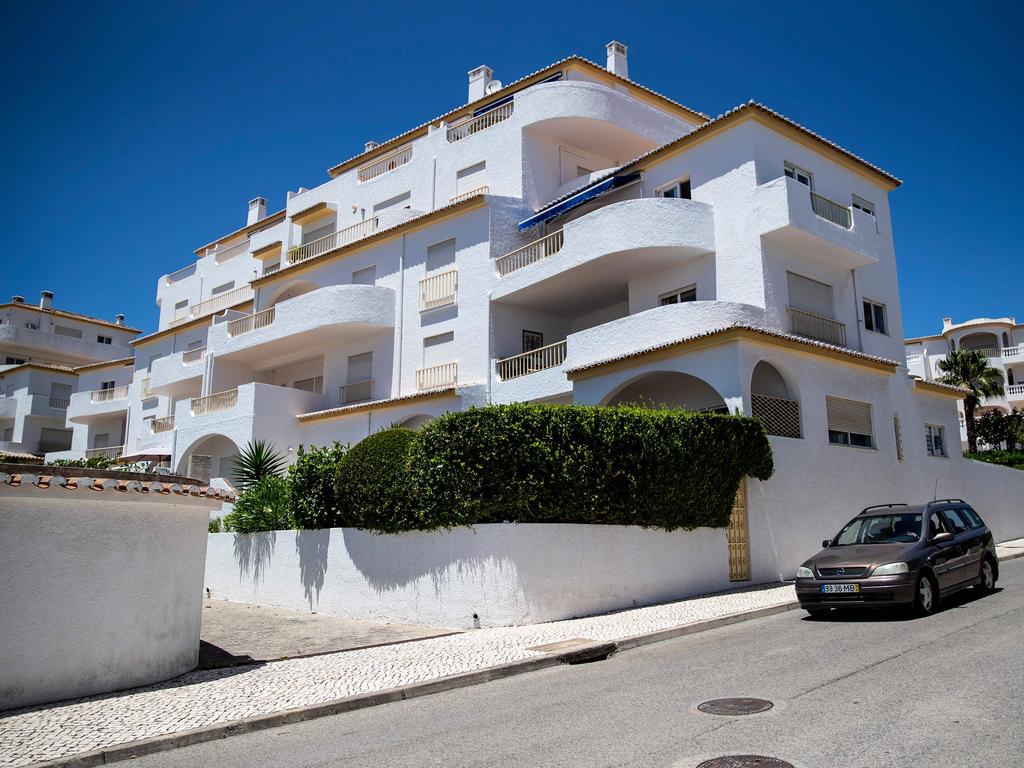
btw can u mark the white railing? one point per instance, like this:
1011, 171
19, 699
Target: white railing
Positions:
832, 211
219, 401
192, 356
181, 274
332, 241
780, 416
222, 301
356, 392
466, 195
914, 360
817, 327
990, 352
535, 360
529, 253
471, 125
1013, 353
163, 424
1015, 390
107, 453
442, 375
252, 322
105, 395
386, 164
230, 252
439, 290
60, 403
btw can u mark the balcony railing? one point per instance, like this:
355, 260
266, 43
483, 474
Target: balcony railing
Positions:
530, 253
60, 403
219, 401
230, 252
385, 164
192, 356
1014, 353
832, 211
466, 195
163, 424
1015, 391
222, 301
990, 352
443, 375
333, 241
107, 453
106, 395
439, 290
356, 392
252, 322
780, 416
817, 327
535, 360
181, 274
914, 360
471, 125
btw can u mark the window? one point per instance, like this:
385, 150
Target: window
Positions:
864, 205
101, 440
316, 234
32, 326
365, 276
959, 523
935, 439
937, 525
392, 202
679, 297
197, 344
9, 435
795, 172
183, 304
581, 171
63, 330
972, 517
810, 295
441, 255
874, 317
470, 178
679, 189
104, 340
849, 422
360, 368
15, 361
532, 340
438, 349
107, 384
313, 384
223, 288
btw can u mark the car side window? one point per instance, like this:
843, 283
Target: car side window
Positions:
972, 517
936, 525
957, 521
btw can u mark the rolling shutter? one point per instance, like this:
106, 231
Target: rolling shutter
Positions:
848, 415
809, 295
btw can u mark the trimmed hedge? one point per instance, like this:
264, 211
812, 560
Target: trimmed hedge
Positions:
373, 484
312, 485
618, 465
1014, 459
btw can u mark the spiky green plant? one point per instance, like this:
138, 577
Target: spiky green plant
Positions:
263, 506
970, 370
258, 460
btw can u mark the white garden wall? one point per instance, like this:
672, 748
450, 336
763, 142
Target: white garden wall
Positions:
506, 574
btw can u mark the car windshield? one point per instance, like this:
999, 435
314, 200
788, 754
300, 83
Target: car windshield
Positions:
880, 529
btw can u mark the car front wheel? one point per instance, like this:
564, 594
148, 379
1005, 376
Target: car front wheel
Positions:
926, 595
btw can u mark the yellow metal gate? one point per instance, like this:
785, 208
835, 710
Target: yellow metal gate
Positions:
736, 536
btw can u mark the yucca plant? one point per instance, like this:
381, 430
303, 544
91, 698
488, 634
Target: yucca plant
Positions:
257, 460
969, 369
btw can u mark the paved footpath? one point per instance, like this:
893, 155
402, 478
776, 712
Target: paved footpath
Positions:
208, 697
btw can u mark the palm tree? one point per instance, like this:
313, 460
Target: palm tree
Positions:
969, 369
257, 460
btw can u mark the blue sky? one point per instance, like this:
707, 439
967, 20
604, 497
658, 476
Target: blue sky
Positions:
135, 133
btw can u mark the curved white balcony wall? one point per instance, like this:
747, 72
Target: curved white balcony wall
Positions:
82, 409
58, 347
607, 248
783, 210
662, 325
549, 384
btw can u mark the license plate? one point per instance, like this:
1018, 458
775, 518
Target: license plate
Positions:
840, 587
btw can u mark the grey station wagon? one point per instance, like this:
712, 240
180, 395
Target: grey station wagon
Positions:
900, 555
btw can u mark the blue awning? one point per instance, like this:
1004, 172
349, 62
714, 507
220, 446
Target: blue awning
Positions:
581, 197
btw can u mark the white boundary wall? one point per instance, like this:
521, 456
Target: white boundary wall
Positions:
507, 574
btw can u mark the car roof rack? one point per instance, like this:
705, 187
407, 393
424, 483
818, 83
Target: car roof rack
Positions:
884, 506
944, 501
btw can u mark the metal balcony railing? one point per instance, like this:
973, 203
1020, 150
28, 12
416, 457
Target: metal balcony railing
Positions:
60, 403
781, 417
163, 424
832, 211
443, 375
818, 327
106, 395
535, 360
333, 241
471, 125
192, 356
108, 453
386, 164
355, 392
252, 322
439, 290
219, 401
529, 253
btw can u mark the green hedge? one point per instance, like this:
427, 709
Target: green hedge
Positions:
312, 486
263, 506
373, 484
1013, 459
583, 464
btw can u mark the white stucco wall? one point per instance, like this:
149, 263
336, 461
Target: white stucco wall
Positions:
98, 591
506, 574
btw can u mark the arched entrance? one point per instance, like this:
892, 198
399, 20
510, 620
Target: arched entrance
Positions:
772, 401
668, 389
210, 456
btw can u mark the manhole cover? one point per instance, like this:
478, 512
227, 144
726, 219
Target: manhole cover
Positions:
735, 707
745, 761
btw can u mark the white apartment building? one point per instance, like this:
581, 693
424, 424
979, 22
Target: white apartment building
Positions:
1000, 339
45, 354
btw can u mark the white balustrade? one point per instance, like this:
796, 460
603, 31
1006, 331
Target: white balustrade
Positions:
333, 241
1014, 353
163, 424
1015, 391
106, 395
439, 290
443, 375
222, 301
252, 322
832, 211
385, 164
529, 253
471, 125
219, 401
107, 453
192, 356
535, 360
466, 195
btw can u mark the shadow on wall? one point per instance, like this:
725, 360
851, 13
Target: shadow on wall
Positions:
312, 547
253, 553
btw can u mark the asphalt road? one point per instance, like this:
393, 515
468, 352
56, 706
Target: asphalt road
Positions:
869, 691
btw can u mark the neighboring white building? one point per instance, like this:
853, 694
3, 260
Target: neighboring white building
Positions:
1000, 339
44, 352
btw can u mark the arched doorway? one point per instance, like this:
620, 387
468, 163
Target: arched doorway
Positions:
772, 401
982, 342
213, 454
669, 389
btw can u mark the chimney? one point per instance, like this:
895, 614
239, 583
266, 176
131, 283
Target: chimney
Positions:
46, 300
370, 145
479, 79
617, 63
946, 322
257, 210
120, 320
18, 300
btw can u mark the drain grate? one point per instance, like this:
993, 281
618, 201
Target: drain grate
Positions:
736, 706
745, 761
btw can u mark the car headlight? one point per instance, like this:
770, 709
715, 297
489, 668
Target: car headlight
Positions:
803, 572
890, 569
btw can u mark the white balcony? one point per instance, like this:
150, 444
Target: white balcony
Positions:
817, 327
236, 412
163, 424
441, 290
25, 342
591, 261
436, 376
178, 374
471, 193
390, 162
791, 214
1015, 392
111, 452
304, 325
218, 401
473, 125
1013, 354
525, 363
46, 406
84, 407
333, 241
355, 392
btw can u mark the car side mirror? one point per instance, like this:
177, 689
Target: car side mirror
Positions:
942, 537
825, 543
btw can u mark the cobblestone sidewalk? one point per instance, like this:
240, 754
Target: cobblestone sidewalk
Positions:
215, 696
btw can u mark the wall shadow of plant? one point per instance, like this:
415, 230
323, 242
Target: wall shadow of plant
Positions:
312, 547
253, 553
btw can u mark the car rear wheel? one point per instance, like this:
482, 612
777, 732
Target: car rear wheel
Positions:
987, 577
926, 595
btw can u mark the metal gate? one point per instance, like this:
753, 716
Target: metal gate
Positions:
736, 537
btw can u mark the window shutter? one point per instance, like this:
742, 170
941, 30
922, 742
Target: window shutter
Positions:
360, 367
848, 415
810, 295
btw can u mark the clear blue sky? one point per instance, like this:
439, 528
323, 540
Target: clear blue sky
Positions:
134, 133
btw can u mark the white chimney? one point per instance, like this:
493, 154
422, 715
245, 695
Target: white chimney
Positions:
947, 321
17, 299
46, 299
370, 145
120, 320
257, 210
479, 79
617, 63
